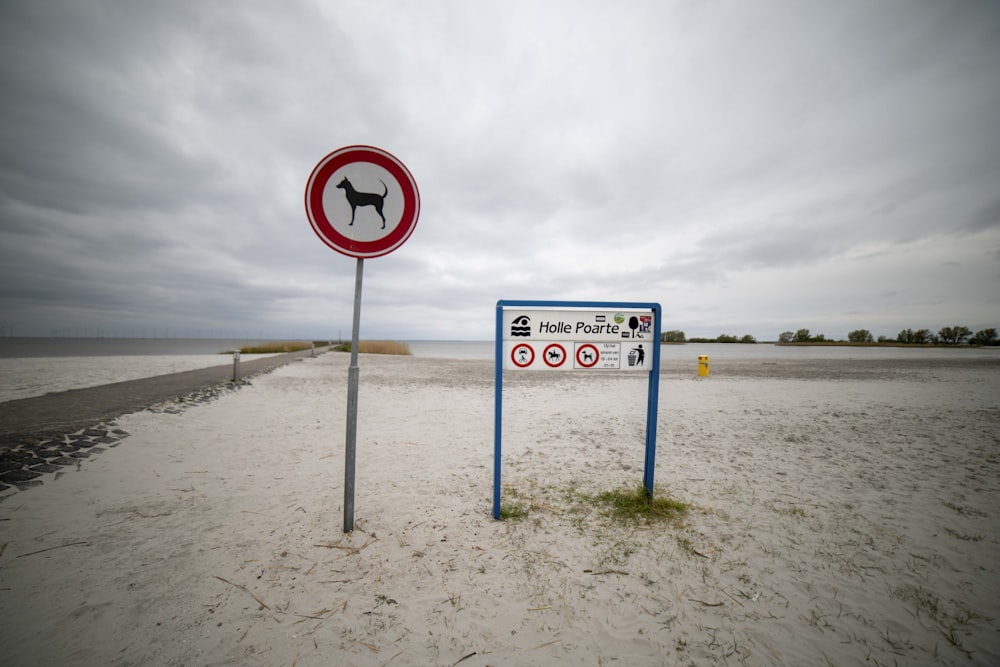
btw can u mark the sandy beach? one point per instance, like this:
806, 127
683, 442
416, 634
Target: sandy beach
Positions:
841, 513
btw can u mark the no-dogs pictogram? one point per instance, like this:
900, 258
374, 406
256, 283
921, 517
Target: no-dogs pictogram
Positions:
362, 201
587, 356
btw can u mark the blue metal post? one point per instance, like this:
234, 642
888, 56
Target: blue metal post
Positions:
497, 409
651, 406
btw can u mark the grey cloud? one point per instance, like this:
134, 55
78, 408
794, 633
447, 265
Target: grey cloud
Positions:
987, 218
153, 156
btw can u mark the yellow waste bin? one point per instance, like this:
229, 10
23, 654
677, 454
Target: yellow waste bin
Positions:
703, 365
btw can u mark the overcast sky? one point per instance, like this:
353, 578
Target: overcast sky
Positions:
754, 166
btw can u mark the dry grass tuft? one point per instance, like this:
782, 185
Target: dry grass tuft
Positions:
377, 347
278, 346
637, 505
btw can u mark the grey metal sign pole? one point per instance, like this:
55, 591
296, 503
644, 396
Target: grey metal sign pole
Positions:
353, 375
368, 165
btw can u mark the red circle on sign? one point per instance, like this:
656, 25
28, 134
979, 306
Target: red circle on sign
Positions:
324, 171
562, 355
531, 355
593, 362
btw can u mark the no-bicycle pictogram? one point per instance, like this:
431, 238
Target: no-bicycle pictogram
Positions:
522, 355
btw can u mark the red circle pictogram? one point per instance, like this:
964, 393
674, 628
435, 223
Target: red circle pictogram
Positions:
588, 360
378, 162
523, 355
554, 355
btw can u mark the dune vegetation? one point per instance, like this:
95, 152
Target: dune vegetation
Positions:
377, 347
276, 347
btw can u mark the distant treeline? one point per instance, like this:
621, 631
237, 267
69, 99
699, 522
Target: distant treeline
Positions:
946, 336
679, 337
958, 335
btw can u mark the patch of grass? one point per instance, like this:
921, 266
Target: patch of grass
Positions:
377, 347
965, 511
276, 347
637, 505
513, 511
686, 546
791, 511
963, 536
952, 618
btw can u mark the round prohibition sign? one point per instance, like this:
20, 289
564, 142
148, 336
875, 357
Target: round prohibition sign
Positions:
522, 355
362, 202
554, 355
587, 355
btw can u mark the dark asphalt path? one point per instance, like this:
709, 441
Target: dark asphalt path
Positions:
69, 411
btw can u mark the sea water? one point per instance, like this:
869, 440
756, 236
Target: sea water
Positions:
36, 366
485, 350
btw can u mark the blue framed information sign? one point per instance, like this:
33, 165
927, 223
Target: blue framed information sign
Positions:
585, 336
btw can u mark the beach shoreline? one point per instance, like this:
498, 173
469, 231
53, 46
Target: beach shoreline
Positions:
840, 512
31, 377
42, 371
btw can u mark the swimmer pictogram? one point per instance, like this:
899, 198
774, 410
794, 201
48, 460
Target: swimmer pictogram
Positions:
521, 326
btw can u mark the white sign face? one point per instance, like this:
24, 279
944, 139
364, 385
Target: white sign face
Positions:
553, 340
362, 202
363, 183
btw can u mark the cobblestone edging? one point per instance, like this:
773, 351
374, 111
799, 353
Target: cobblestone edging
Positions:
39, 458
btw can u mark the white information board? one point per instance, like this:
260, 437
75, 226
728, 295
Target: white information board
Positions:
578, 339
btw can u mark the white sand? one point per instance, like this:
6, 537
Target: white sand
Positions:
841, 521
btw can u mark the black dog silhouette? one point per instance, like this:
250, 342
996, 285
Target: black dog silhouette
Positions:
356, 199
